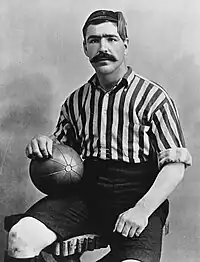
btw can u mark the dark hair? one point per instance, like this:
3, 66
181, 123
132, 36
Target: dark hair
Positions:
101, 16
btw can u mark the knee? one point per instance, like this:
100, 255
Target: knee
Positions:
28, 237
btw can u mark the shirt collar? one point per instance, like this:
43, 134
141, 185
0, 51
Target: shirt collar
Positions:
94, 81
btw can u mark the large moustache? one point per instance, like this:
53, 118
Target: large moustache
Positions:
101, 57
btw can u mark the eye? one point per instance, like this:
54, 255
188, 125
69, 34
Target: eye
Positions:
112, 39
93, 41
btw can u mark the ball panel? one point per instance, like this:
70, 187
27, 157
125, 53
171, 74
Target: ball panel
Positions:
59, 154
45, 167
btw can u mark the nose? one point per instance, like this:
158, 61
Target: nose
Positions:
103, 45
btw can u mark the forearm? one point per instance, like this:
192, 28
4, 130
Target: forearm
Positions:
167, 180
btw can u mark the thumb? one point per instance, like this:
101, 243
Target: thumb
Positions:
139, 230
49, 145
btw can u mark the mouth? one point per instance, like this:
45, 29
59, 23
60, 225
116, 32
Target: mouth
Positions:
103, 59
102, 62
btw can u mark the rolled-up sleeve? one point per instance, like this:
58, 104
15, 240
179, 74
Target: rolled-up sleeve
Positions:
168, 136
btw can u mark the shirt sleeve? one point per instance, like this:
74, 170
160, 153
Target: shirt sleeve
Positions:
64, 132
168, 136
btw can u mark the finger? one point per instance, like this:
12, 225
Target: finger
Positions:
35, 149
120, 225
49, 146
28, 151
117, 222
132, 231
139, 231
42, 144
126, 229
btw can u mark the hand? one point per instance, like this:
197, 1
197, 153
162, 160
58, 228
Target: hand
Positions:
39, 147
131, 222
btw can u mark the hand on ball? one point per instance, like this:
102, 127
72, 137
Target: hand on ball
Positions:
39, 147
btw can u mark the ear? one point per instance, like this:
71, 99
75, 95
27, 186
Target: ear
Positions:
126, 43
85, 48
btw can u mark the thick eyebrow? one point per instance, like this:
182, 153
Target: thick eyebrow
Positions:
101, 36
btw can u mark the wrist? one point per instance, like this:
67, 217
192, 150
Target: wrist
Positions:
143, 206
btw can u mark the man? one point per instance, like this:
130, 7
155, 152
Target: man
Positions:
127, 130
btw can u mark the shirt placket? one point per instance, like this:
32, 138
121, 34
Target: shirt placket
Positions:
105, 151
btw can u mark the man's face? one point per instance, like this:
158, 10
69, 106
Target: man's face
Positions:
105, 48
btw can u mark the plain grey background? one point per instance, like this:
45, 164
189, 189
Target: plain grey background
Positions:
42, 61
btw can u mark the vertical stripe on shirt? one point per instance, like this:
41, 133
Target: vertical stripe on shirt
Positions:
133, 128
128, 123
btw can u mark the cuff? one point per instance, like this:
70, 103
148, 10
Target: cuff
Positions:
174, 155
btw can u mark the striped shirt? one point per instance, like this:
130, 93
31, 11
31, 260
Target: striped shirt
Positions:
134, 122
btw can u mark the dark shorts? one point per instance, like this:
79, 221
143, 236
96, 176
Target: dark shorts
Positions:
108, 189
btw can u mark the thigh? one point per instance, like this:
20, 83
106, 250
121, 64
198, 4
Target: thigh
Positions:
66, 216
145, 248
